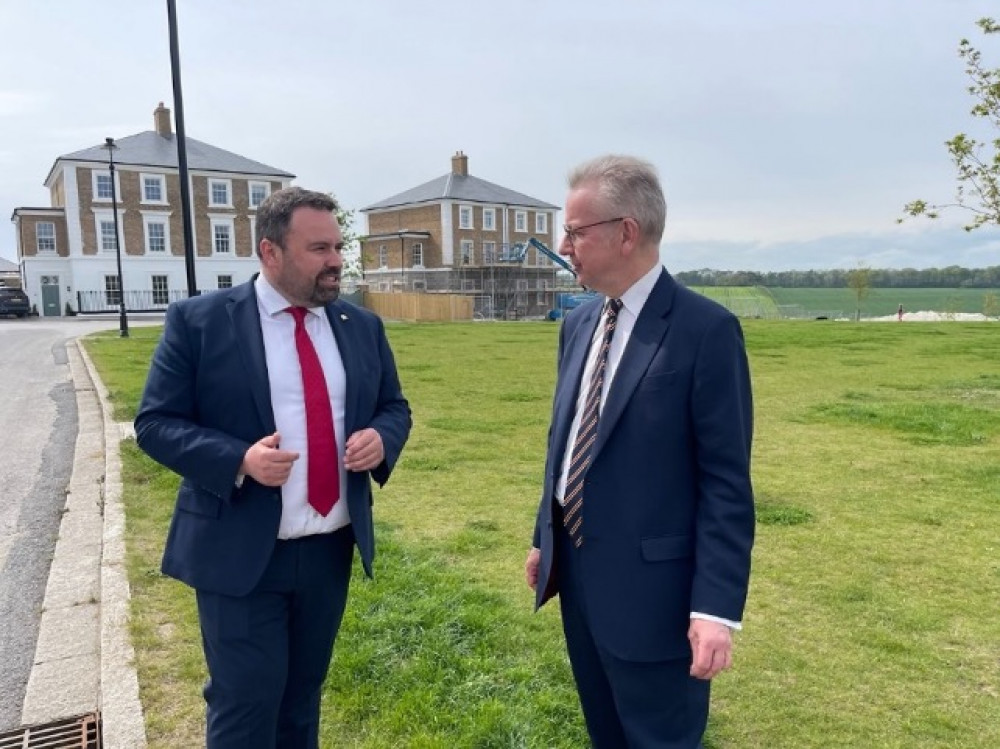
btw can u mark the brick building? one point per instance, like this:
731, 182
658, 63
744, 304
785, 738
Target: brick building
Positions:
68, 252
462, 234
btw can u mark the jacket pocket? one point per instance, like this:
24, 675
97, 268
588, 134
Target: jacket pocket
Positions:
198, 502
665, 548
658, 380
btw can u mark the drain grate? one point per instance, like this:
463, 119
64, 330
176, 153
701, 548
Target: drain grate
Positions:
81, 732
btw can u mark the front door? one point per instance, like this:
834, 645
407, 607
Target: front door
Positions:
50, 296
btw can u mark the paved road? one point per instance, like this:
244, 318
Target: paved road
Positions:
38, 426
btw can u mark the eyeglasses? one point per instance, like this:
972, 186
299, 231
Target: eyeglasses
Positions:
573, 234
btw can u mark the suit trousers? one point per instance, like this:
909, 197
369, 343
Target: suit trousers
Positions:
639, 705
268, 652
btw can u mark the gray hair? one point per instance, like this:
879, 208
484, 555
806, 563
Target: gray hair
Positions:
274, 214
630, 187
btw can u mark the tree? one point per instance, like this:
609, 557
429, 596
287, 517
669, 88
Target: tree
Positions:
352, 269
977, 163
860, 281
991, 307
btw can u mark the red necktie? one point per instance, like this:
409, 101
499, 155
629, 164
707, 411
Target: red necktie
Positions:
321, 458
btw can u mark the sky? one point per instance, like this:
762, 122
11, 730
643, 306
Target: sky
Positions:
787, 135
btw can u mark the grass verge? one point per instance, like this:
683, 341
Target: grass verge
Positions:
872, 611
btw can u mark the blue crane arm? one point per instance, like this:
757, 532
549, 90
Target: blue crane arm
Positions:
553, 256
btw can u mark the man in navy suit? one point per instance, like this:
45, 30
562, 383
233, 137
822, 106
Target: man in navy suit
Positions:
646, 520
253, 530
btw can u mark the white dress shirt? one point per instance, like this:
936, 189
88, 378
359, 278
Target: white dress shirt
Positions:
298, 518
633, 300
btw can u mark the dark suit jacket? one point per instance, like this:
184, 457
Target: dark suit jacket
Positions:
207, 399
668, 519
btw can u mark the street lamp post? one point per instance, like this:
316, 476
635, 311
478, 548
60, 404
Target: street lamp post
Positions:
402, 263
182, 164
109, 143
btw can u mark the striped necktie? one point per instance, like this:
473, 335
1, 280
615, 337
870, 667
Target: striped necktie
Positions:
583, 446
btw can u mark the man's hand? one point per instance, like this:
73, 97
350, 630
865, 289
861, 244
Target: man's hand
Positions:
268, 464
363, 450
531, 567
711, 648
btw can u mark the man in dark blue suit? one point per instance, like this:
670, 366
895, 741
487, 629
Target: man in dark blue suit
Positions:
646, 520
275, 494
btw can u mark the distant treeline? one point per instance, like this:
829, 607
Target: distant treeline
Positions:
952, 277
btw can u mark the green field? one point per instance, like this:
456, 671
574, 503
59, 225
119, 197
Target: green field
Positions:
752, 302
881, 302
872, 617
772, 303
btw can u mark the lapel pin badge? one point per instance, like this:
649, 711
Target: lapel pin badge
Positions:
343, 316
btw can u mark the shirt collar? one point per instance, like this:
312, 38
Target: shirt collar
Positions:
270, 299
634, 298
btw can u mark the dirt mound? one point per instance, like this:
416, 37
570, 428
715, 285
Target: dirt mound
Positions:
930, 316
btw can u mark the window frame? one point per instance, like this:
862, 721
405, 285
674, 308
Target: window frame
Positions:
161, 179
162, 238
463, 211
417, 254
251, 184
102, 216
155, 218
38, 238
104, 224
95, 174
492, 214
521, 222
228, 184
112, 291
464, 259
160, 296
227, 222
541, 223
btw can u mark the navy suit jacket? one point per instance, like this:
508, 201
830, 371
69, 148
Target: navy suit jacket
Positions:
668, 518
207, 400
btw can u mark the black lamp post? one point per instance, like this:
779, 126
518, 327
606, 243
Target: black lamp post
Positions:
402, 263
109, 143
182, 165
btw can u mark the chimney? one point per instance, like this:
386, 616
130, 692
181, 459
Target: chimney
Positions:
460, 164
161, 121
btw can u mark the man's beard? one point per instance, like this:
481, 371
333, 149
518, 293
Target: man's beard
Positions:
324, 294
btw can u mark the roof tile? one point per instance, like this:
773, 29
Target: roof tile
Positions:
151, 149
460, 187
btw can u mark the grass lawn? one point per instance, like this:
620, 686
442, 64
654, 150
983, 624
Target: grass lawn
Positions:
872, 619
743, 301
882, 301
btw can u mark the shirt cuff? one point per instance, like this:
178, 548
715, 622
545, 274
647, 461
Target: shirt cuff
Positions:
719, 619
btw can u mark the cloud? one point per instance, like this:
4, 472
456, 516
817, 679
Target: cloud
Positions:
787, 134
19, 103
